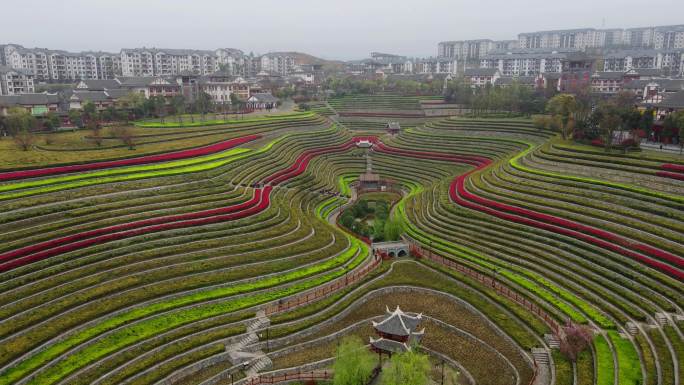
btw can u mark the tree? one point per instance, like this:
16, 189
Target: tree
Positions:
51, 121
125, 135
89, 111
577, 338
392, 230
409, 368
646, 121
563, 106
178, 107
610, 121
354, 363
203, 103
75, 118
96, 133
24, 139
19, 120
133, 103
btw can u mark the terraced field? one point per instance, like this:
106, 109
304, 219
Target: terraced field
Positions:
163, 268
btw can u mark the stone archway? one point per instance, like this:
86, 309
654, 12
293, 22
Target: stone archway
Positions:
392, 249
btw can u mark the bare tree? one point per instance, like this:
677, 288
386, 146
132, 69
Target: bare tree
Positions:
125, 135
24, 139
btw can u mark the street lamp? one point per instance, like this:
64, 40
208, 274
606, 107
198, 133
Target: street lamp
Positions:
261, 335
442, 372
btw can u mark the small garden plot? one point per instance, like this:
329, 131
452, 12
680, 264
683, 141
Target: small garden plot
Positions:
370, 217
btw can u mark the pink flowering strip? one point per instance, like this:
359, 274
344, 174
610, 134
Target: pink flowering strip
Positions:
589, 234
200, 151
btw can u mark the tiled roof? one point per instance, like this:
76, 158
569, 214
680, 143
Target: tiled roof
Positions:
29, 99
398, 323
389, 345
675, 100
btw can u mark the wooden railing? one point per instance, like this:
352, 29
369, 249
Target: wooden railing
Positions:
325, 290
294, 376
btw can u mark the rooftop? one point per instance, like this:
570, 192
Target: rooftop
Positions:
398, 323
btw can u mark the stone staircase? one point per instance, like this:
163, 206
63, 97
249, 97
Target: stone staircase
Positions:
661, 319
632, 328
261, 363
552, 340
541, 356
239, 351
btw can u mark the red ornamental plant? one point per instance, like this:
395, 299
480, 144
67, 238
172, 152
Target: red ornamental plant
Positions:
577, 338
200, 151
259, 202
673, 167
589, 234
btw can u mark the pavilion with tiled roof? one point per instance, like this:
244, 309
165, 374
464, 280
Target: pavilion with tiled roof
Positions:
397, 332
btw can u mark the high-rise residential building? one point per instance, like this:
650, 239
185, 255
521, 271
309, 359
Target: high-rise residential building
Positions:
56, 65
468, 50
668, 37
663, 37
569, 38
438, 65
533, 62
15, 81
167, 62
281, 63
670, 61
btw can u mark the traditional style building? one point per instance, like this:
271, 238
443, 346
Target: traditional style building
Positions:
262, 101
397, 333
36, 104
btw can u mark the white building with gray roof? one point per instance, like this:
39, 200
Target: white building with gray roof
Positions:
15, 81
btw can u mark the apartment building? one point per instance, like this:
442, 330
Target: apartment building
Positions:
534, 62
232, 61
15, 81
469, 50
480, 77
56, 65
624, 60
668, 37
580, 39
661, 37
438, 65
281, 63
167, 62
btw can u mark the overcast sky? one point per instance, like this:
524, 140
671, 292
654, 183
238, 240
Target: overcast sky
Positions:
347, 29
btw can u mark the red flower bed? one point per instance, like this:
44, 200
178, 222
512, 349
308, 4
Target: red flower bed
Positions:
206, 150
673, 167
259, 202
610, 241
544, 221
670, 175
